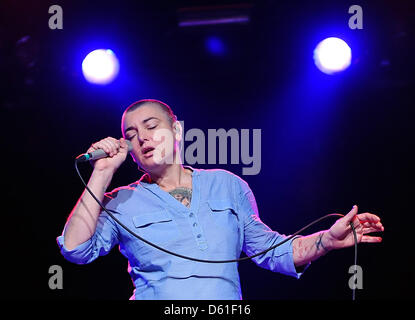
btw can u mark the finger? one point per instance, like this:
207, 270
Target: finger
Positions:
357, 225
90, 149
370, 230
111, 139
108, 147
104, 145
114, 142
370, 217
93, 147
113, 146
378, 225
370, 239
123, 144
352, 213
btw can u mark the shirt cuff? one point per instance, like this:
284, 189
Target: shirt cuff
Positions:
76, 255
288, 264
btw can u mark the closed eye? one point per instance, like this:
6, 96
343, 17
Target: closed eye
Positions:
129, 138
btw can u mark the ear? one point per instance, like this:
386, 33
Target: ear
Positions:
177, 128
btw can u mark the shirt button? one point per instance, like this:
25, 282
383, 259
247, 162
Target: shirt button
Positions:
191, 214
199, 235
194, 224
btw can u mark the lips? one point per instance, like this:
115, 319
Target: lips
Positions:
147, 150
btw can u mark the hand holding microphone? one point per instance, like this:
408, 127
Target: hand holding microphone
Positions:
107, 154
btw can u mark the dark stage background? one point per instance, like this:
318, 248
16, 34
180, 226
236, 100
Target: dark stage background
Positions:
328, 142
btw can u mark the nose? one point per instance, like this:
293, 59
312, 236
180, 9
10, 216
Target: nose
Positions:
142, 137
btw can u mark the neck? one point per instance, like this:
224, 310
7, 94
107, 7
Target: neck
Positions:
171, 176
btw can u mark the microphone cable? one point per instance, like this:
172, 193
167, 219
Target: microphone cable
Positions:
355, 257
217, 261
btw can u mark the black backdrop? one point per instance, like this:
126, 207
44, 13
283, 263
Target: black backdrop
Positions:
328, 142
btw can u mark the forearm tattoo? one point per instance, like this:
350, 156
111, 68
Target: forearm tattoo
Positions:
184, 195
319, 243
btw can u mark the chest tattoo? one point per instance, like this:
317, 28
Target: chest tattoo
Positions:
184, 195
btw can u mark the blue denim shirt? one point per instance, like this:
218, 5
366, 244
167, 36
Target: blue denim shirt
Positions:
222, 221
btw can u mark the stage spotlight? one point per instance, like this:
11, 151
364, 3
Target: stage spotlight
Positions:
332, 55
100, 66
215, 45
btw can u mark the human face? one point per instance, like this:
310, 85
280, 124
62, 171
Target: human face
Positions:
152, 136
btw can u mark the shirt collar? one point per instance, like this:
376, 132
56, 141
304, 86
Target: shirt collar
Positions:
145, 178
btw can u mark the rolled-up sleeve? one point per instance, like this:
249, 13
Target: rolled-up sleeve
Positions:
106, 236
259, 237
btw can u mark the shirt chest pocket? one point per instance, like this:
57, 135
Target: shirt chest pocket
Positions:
224, 214
157, 227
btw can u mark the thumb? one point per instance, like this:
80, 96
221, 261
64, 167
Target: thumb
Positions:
123, 146
352, 213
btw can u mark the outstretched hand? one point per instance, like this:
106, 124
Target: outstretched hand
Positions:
340, 235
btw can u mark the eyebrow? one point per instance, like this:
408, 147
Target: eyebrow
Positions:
148, 119
144, 121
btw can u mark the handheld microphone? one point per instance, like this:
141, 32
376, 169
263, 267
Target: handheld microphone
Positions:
98, 154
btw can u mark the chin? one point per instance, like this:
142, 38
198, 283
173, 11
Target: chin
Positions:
151, 163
